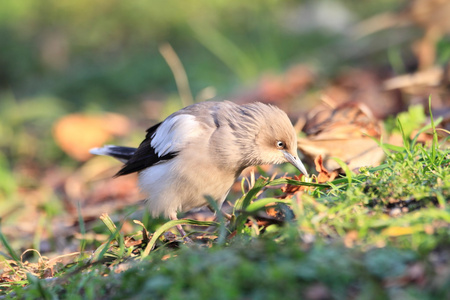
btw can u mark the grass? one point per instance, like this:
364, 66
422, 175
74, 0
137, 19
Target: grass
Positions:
383, 233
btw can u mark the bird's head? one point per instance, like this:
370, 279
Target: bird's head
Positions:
276, 140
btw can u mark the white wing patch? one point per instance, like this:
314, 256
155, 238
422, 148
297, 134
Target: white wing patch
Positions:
174, 133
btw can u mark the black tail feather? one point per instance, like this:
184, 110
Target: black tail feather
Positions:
121, 153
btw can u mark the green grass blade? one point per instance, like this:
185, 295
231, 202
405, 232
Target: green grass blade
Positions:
261, 203
101, 251
14, 270
405, 139
425, 128
109, 223
8, 247
114, 232
393, 147
220, 218
435, 143
296, 182
345, 167
169, 225
379, 168
245, 200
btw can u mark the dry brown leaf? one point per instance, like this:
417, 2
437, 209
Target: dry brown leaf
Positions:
428, 77
290, 190
364, 87
324, 175
265, 221
344, 133
76, 134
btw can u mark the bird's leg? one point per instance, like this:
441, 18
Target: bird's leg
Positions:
173, 216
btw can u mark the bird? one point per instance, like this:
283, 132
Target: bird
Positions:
200, 151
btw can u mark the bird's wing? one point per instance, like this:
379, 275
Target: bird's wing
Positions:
174, 133
163, 142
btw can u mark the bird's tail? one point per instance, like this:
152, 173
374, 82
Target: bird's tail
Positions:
121, 153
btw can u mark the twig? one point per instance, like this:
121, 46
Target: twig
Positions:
178, 72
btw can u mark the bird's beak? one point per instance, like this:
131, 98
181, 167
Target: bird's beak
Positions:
296, 162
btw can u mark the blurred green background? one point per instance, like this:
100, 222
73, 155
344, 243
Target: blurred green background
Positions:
58, 57
105, 52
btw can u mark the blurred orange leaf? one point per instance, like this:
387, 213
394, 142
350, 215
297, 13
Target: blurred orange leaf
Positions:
77, 133
398, 231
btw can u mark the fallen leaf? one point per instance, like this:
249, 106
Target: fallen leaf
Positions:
324, 175
345, 132
290, 190
76, 134
398, 231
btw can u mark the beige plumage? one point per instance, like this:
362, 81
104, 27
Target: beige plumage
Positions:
201, 149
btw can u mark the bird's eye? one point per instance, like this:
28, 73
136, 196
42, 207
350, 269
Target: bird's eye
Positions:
280, 145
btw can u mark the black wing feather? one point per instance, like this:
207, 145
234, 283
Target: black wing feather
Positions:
145, 155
